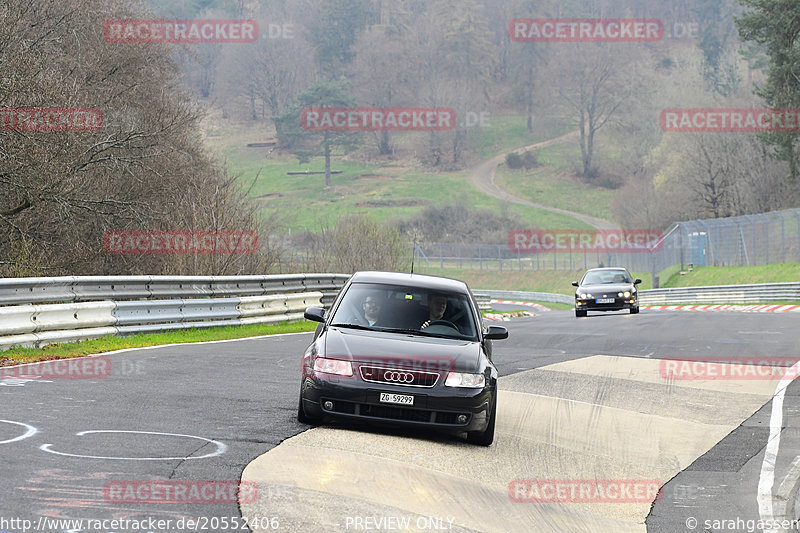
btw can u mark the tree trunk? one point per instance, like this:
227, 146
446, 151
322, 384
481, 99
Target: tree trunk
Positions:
529, 97
584, 157
327, 165
588, 170
384, 147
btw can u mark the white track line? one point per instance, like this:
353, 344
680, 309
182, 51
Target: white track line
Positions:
767, 478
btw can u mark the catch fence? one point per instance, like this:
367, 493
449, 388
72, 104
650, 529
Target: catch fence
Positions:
748, 240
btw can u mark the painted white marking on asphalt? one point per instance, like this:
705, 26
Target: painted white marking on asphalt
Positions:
221, 448
20, 382
767, 477
31, 431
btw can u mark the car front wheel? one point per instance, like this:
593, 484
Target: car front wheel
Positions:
580, 313
634, 310
485, 437
302, 417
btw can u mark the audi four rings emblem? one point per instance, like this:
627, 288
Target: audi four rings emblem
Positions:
398, 377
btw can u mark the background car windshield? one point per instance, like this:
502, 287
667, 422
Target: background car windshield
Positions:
381, 306
606, 277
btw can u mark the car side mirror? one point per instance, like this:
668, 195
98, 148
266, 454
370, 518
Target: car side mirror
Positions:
496, 333
317, 314
575, 284
637, 281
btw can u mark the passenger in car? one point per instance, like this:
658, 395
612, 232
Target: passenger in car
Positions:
372, 306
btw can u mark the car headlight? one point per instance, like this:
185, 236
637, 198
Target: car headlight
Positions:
461, 379
627, 294
333, 366
585, 295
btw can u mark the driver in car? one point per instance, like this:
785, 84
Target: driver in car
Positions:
437, 305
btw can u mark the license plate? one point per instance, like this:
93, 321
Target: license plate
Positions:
403, 399
605, 300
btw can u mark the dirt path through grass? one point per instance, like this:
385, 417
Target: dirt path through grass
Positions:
482, 177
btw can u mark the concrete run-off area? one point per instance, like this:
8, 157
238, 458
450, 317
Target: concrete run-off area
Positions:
591, 425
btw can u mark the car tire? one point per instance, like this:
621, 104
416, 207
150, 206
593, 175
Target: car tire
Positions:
579, 313
302, 417
634, 310
485, 437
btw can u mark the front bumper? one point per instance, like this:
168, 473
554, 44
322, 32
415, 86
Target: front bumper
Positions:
619, 304
438, 407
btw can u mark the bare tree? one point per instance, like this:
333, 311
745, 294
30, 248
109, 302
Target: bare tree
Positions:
144, 168
384, 64
357, 242
260, 79
594, 81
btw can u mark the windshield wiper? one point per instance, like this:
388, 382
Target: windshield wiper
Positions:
423, 333
403, 330
353, 326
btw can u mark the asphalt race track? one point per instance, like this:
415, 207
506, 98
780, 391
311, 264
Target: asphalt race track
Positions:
583, 402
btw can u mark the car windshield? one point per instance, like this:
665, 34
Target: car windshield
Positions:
398, 308
606, 277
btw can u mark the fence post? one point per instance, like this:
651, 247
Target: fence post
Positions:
783, 240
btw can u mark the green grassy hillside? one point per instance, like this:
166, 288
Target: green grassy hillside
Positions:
387, 189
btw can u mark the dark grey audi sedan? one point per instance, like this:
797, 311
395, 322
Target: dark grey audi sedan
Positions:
606, 289
402, 349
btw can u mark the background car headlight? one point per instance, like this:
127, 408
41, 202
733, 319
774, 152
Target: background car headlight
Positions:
333, 366
461, 379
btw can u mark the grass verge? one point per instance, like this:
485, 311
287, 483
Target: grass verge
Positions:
111, 342
711, 275
553, 281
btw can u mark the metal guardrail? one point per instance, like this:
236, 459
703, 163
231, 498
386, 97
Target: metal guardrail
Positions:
40, 311
484, 301
720, 294
92, 288
41, 324
74, 308
526, 296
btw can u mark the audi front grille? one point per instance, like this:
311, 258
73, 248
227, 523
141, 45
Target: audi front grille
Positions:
399, 376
